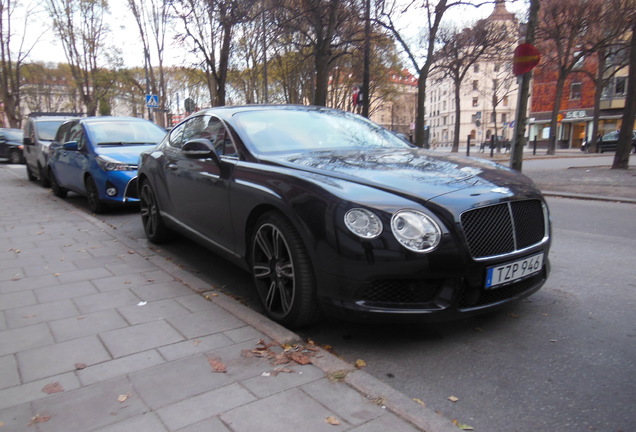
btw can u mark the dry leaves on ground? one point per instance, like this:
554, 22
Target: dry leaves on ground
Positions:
54, 387
39, 419
332, 421
299, 354
217, 365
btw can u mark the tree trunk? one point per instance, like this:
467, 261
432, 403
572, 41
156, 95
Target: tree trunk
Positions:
592, 142
621, 158
458, 111
555, 112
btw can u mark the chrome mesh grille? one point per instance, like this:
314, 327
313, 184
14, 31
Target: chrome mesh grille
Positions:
503, 228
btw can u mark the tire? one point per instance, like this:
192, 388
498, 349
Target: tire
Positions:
30, 175
282, 272
153, 224
44, 178
14, 157
58, 190
95, 205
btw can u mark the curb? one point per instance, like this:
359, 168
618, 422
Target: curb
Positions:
372, 388
588, 197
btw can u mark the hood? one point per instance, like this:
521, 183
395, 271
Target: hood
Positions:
416, 173
126, 154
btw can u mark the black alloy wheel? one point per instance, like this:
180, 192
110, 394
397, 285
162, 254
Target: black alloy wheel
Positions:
44, 179
58, 190
92, 195
153, 224
282, 272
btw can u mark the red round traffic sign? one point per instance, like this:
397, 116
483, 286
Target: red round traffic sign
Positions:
526, 57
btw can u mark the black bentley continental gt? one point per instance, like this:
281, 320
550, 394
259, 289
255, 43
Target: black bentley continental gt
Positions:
331, 212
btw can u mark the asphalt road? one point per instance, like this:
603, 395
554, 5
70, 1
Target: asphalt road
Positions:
564, 359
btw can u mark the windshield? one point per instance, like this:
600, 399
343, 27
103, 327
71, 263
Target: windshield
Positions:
47, 129
287, 130
124, 132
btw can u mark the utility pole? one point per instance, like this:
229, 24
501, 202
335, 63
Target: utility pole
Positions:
367, 59
518, 139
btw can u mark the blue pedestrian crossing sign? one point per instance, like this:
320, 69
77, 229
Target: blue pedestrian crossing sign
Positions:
152, 101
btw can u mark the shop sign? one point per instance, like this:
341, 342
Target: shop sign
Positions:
573, 115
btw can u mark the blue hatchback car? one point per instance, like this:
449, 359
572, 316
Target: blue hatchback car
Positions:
97, 157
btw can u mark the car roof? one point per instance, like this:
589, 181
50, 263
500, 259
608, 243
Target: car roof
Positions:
110, 119
227, 112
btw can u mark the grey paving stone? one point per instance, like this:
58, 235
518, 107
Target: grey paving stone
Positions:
196, 303
28, 392
162, 290
65, 291
9, 376
212, 424
89, 408
148, 422
387, 422
24, 338
131, 280
191, 347
203, 406
347, 403
17, 299
10, 273
175, 381
119, 367
290, 411
153, 310
28, 283
243, 334
17, 418
263, 385
130, 264
140, 337
207, 322
107, 300
3, 321
50, 267
86, 325
61, 357
84, 274
40, 313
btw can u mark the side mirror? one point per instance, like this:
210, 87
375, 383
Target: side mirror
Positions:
70, 145
200, 148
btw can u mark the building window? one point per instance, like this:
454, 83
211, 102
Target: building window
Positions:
496, 68
495, 83
575, 90
475, 101
503, 118
505, 101
476, 68
620, 86
493, 117
475, 85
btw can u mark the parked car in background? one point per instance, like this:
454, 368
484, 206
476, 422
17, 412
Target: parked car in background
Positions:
97, 157
39, 131
609, 142
331, 212
11, 145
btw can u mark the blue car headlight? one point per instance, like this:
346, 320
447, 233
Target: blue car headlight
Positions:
415, 230
109, 164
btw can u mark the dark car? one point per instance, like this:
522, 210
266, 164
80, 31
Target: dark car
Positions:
609, 142
97, 157
11, 145
331, 212
39, 131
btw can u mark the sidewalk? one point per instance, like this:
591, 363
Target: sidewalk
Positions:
98, 333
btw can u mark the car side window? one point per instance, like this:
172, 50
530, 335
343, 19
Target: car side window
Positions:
176, 136
76, 134
211, 128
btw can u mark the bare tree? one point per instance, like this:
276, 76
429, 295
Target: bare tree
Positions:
462, 49
389, 13
152, 21
209, 26
13, 54
80, 26
323, 29
621, 158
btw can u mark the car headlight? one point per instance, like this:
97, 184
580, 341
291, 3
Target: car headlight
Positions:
363, 223
109, 164
415, 230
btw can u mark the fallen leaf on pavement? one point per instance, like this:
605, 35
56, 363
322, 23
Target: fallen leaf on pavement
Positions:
54, 387
217, 365
419, 401
453, 398
463, 426
300, 358
39, 419
123, 398
80, 366
360, 364
332, 421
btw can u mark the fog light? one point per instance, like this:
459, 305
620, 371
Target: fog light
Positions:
111, 191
